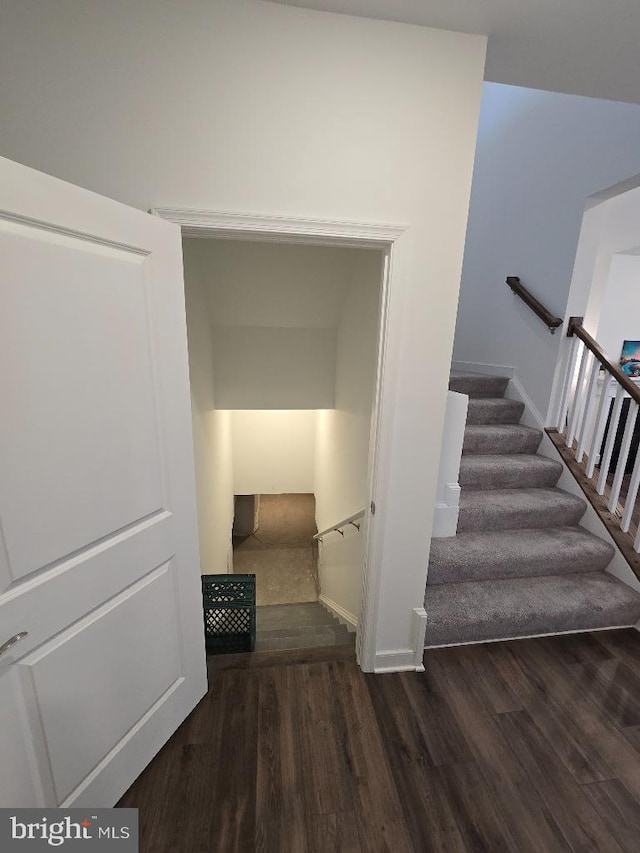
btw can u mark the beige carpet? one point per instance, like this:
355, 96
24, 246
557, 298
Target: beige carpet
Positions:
281, 553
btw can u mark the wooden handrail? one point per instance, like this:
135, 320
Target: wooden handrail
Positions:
536, 306
576, 328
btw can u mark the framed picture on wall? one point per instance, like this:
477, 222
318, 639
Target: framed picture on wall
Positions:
630, 358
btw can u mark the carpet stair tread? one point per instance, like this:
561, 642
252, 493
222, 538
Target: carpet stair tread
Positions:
509, 509
478, 385
491, 555
494, 410
500, 439
504, 609
495, 471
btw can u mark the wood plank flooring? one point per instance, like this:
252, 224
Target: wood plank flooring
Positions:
528, 745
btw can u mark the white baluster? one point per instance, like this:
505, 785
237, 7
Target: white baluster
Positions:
590, 397
566, 390
636, 544
578, 397
624, 454
611, 436
599, 424
632, 494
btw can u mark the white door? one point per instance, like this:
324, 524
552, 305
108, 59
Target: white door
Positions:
98, 545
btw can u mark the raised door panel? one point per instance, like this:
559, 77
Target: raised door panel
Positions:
96, 681
52, 600
98, 539
20, 788
79, 458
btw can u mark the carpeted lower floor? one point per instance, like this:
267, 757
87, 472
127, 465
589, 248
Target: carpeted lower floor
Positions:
281, 553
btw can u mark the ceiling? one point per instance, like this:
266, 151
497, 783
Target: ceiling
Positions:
584, 47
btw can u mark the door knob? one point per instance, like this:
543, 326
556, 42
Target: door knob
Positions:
12, 641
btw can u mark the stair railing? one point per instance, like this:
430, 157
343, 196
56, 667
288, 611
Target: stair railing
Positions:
592, 428
350, 520
536, 306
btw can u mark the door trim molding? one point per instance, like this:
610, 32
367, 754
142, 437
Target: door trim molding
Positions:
204, 223
388, 237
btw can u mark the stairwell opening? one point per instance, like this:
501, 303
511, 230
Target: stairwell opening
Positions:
284, 344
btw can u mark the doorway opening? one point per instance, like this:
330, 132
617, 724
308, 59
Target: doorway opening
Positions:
273, 539
285, 345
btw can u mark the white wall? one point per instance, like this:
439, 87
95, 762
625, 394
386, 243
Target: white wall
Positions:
609, 229
619, 315
274, 309
211, 436
274, 285
340, 562
273, 452
245, 106
539, 155
262, 368
343, 436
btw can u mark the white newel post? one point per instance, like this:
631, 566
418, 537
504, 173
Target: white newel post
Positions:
445, 514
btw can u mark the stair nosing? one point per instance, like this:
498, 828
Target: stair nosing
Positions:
532, 620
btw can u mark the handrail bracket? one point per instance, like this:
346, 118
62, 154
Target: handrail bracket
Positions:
351, 520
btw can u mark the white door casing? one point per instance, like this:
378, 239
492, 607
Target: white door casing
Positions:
98, 540
387, 237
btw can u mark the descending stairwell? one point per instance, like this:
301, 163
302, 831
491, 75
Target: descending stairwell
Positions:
520, 564
298, 626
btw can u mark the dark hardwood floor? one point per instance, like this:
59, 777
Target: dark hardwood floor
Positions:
530, 745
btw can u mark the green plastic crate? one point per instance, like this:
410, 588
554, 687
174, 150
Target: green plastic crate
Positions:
229, 604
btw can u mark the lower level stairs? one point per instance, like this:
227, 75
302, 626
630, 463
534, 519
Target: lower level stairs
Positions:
298, 626
520, 564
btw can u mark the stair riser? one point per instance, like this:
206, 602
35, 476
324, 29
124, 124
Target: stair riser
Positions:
496, 479
278, 643
300, 618
504, 569
485, 444
511, 554
509, 518
498, 610
333, 630
441, 575
489, 412
435, 638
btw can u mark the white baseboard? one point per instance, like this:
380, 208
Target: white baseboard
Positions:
345, 618
418, 630
531, 416
487, 369
396, 660
406, 660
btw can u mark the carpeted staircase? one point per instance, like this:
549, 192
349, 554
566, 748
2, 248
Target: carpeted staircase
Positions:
298, 626
520, 564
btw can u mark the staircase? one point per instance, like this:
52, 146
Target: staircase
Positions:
520, 564
298, 626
